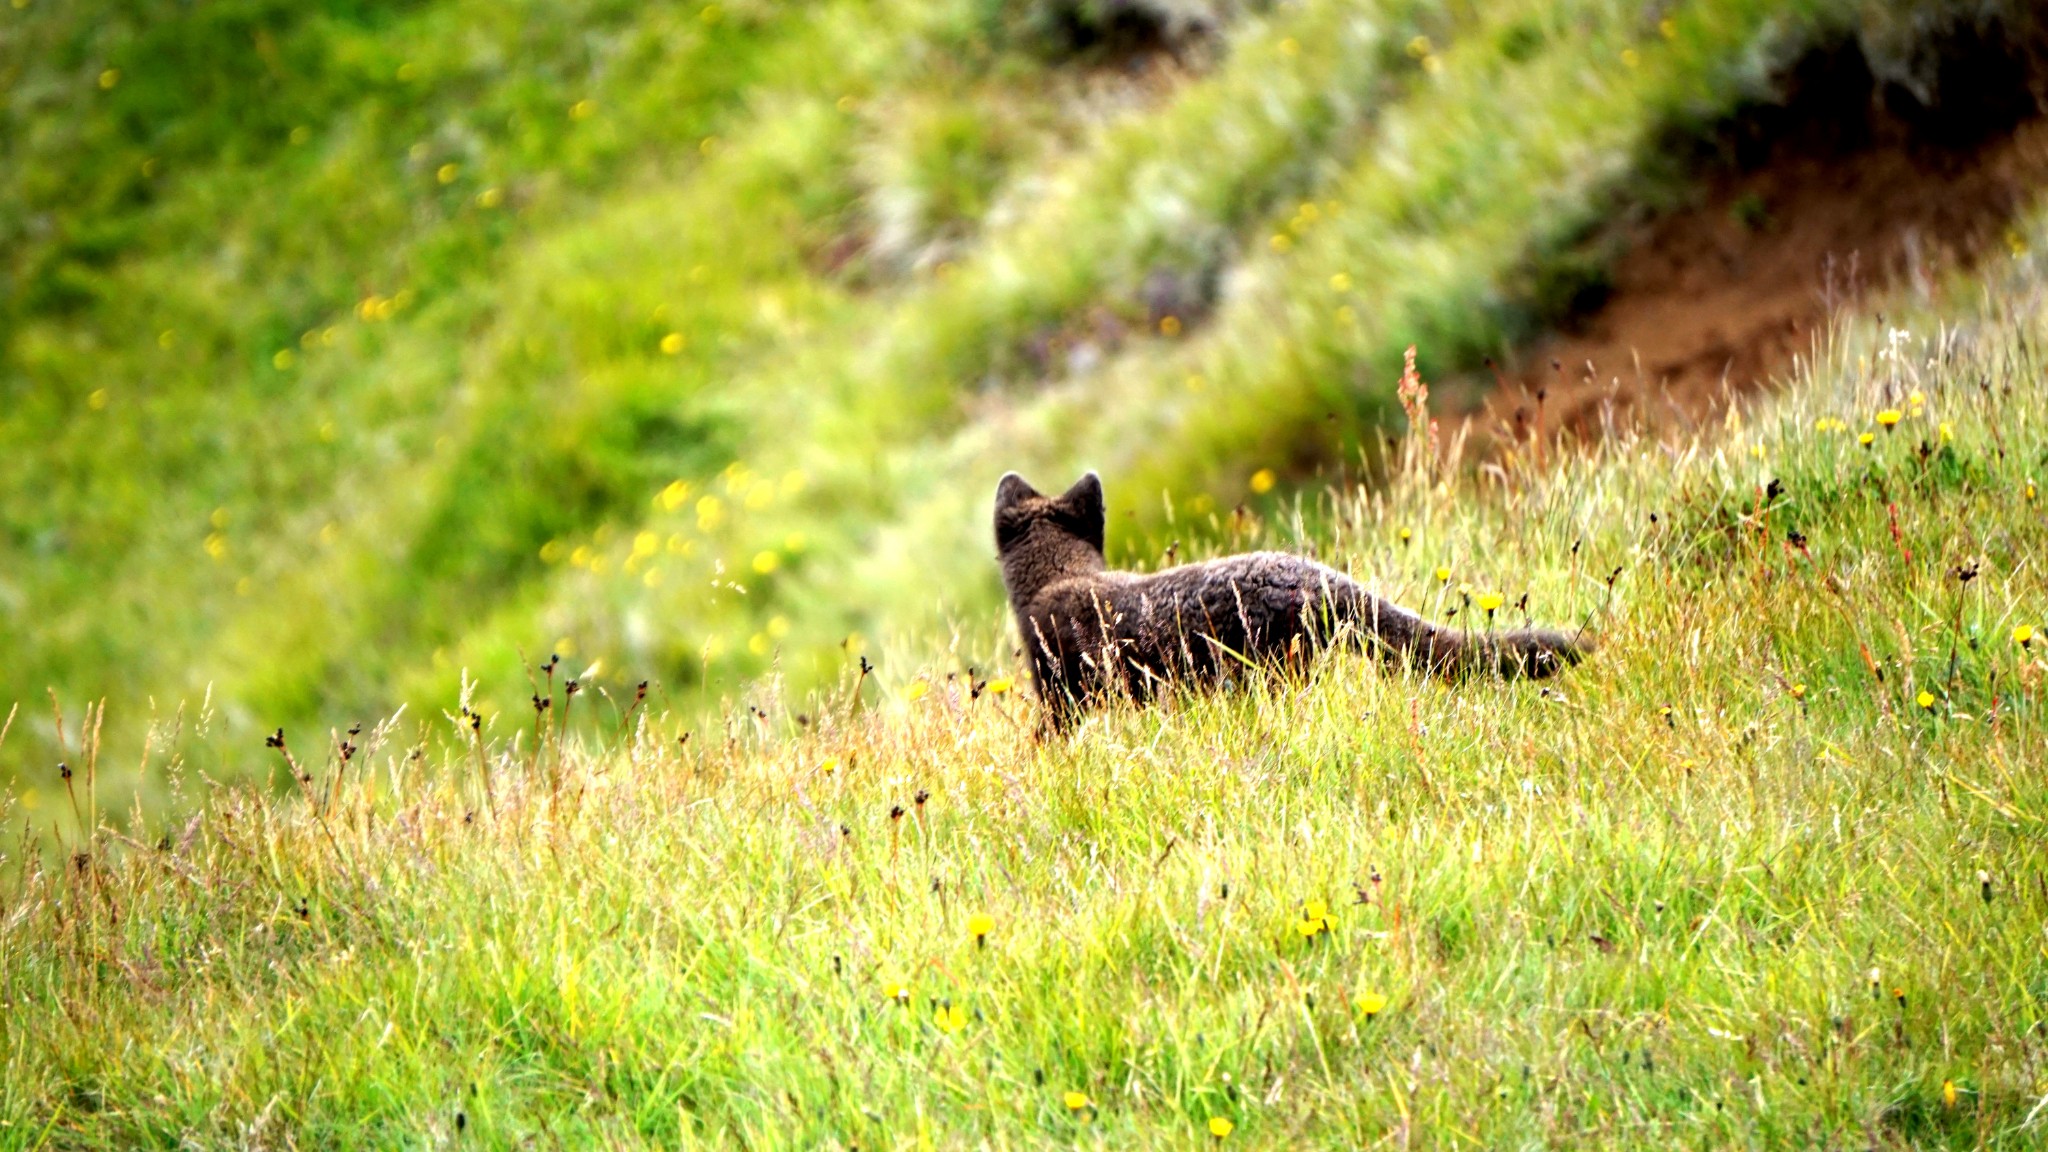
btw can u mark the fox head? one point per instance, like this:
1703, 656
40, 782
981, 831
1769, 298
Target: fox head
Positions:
1043, 538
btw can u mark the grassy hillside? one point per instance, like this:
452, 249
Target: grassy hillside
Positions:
1765, 872
685, 343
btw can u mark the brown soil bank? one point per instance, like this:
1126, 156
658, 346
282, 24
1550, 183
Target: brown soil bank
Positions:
1851, 184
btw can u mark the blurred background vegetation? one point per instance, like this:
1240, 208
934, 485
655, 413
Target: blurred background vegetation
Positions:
348, 345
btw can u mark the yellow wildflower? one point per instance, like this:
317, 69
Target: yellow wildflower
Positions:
2023, 635
980, 925
916, 690
1443, 574
1263, 481
1890, 418
1925, 699
1219, 1127
950, 1018
672, 344
767, 561
1489, 601
999, 685
1075, 1101
1369, 1004
896, 990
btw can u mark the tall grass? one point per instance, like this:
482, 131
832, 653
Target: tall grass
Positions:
1763, 872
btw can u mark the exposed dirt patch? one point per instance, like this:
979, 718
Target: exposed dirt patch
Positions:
1849, 186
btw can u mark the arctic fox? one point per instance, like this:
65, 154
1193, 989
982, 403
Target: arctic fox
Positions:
1092, 632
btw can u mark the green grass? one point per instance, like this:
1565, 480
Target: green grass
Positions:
1727, 884
393, 348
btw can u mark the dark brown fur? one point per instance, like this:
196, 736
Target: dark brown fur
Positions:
1092, 632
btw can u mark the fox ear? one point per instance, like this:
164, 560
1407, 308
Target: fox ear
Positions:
1083, 503
1012, 489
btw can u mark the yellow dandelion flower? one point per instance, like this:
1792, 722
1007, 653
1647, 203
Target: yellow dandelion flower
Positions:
980, 925
1219, 1127
1263, 481
1490, 601
896, 990
1799, 691
1948, 1093
672, 344
1369, 1004
1917, 399
646, 544
1866, 439
1406, 536
758, 644
1308, 928
829, 765
916, 690
999, 685
767, 561
1075, 1101
1890, 418
1925, 699
1443, 574
1945, 432
2023, 635
447, 173
950, 1018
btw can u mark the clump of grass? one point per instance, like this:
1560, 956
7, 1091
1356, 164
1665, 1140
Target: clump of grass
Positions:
1728, 882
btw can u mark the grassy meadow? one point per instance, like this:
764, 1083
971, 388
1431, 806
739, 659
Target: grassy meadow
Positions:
505, 651
685, 342
1767, 871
